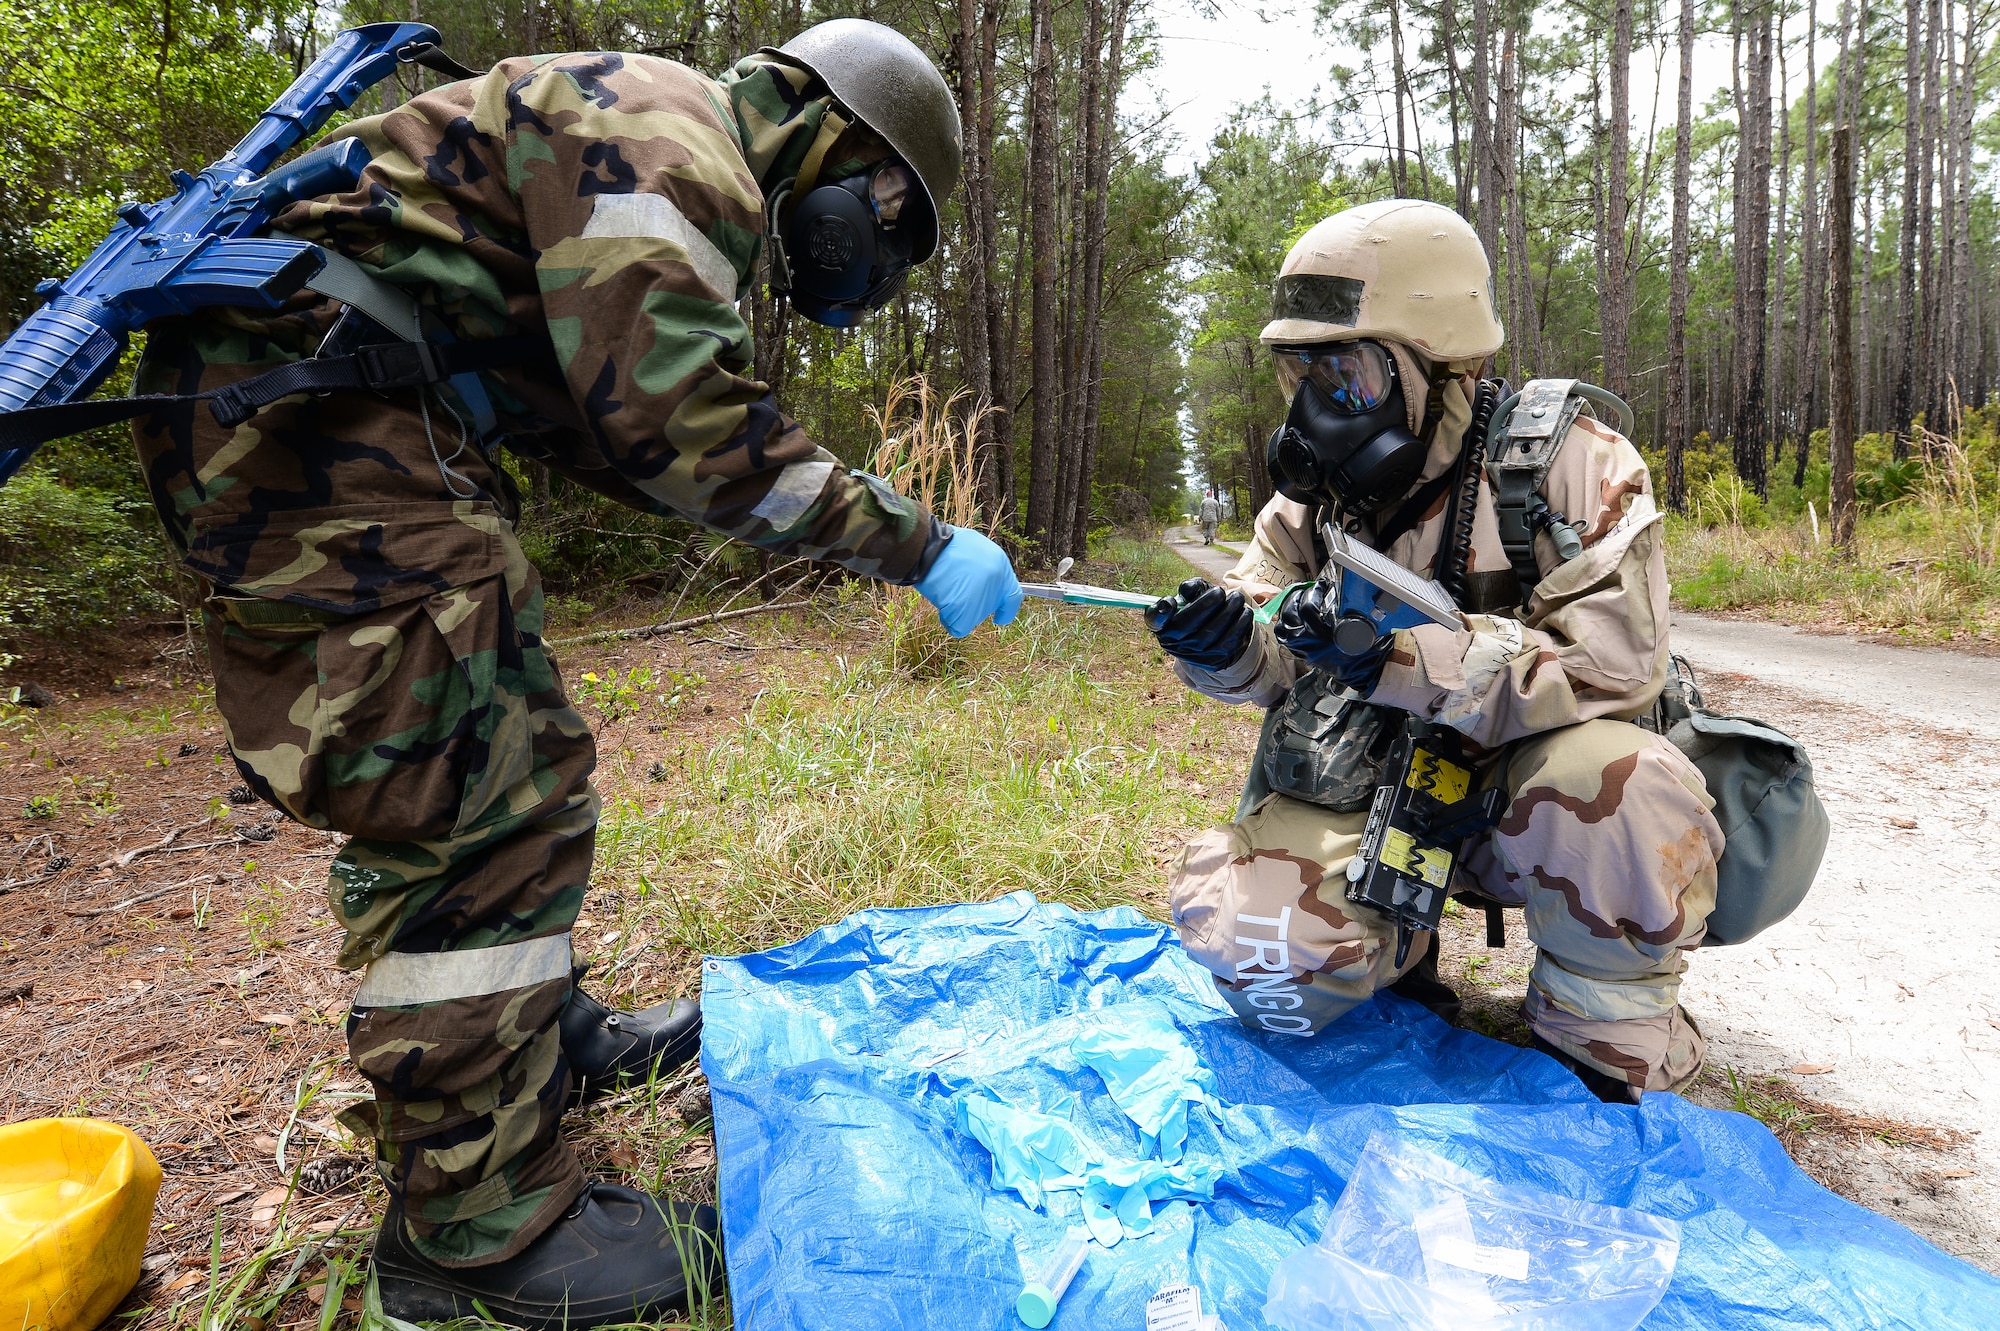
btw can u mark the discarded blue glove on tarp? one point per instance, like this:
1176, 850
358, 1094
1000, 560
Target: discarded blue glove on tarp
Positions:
852, 1196
1152, 1074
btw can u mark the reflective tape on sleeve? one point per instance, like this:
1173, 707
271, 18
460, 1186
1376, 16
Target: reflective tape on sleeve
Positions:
402, 979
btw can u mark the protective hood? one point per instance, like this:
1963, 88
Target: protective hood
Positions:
779, 109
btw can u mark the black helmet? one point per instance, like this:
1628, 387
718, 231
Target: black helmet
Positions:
881, 76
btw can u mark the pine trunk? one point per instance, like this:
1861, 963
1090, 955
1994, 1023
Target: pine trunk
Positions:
1930, 296
1454, 89
1677, 430
1617, 300
1812, 268
1097, 219
1000, 423
1507, 157
1775, 335
1965, 357
976, 270
1043, 329
1485, 154
1904, 402
1400, 166
1841, 370
1752, 255
1073, 492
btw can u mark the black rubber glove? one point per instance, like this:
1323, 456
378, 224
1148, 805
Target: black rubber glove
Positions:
1310, 629
1203, 624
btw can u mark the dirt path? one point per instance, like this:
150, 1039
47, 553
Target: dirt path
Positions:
1873, 1014
1888, 976
1211, 560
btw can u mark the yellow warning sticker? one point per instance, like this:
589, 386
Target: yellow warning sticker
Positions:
1442, 781
1400, 853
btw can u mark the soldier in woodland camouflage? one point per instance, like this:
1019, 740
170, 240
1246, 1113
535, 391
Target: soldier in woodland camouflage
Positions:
1607, 842
376, 631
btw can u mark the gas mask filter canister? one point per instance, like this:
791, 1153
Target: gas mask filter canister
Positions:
848, 244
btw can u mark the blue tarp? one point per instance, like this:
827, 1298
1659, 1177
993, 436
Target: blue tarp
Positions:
850, 1197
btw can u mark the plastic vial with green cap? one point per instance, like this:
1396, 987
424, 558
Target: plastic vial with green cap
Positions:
1039, 1297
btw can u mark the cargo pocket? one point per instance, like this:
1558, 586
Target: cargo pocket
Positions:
265, 656
398, 716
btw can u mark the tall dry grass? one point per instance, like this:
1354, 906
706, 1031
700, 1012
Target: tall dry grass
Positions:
926, 452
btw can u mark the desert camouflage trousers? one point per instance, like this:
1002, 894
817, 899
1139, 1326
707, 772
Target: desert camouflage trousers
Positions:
1607, 844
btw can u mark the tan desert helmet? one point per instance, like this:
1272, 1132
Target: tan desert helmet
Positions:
1402, 269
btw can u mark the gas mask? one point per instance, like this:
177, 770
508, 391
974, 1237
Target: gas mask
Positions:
1347, 439
849, 243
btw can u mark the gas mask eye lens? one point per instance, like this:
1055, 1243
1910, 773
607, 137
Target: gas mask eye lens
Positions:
1353, 377
888, 189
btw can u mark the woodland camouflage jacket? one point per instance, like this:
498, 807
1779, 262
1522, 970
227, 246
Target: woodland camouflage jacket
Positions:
1593, 643
617, 202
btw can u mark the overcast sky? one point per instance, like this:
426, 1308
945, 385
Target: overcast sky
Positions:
1207, 65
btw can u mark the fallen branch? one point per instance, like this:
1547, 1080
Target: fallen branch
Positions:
681, 625
755, 647
145, 896
8, 885
121, 861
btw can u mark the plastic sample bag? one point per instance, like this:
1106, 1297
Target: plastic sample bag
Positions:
1418, 1244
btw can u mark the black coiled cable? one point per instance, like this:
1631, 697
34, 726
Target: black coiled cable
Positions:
1465, 504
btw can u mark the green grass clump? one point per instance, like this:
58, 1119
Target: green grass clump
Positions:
1925, 561
913, 773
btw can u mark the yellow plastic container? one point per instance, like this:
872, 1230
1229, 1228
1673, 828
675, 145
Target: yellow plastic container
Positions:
76, 1202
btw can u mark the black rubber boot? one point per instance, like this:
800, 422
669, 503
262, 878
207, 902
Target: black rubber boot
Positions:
1420, 984
617, 1255
1611, 1090
607, 1048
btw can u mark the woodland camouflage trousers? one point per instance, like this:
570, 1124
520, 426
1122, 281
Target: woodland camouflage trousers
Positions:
1607, 844
380, 671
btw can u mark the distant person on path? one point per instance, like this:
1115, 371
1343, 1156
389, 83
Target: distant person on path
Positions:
376, 630
1210, 514
1383, 322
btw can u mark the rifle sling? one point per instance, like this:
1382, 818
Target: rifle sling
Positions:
380, 369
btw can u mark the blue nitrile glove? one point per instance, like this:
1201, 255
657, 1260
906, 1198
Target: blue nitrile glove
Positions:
1312, 630
970, 582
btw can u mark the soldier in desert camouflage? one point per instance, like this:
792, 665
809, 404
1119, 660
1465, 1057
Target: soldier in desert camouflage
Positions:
376, 631
1383, 321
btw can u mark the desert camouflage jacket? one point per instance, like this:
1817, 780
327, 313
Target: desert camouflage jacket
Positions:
1593, 643
617, 203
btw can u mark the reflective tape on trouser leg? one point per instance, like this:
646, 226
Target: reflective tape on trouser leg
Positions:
406, 979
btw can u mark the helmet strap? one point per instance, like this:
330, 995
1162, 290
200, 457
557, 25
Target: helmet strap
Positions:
1440, 378
779, 205
831, 127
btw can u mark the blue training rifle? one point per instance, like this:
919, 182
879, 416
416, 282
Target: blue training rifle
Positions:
199, 248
